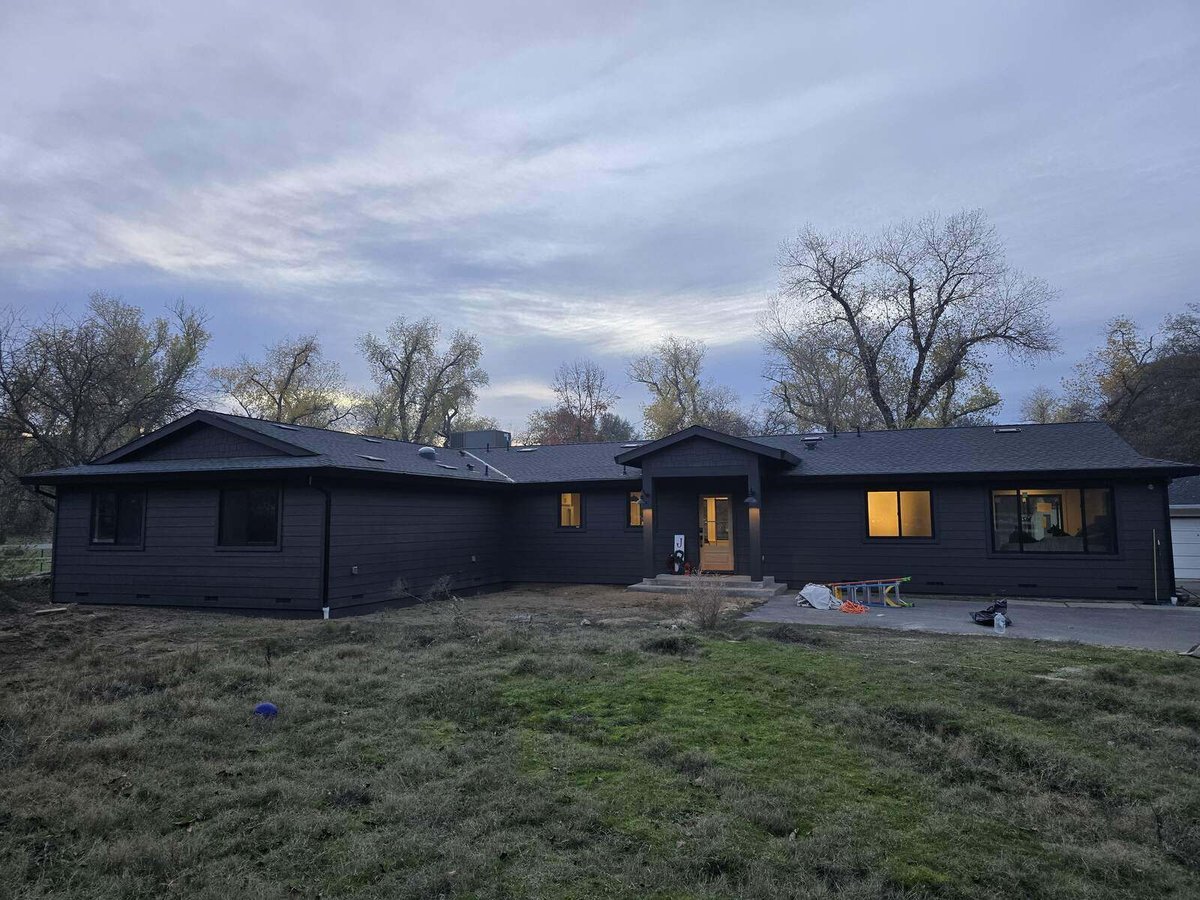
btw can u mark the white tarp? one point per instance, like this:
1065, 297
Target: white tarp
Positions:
817, 596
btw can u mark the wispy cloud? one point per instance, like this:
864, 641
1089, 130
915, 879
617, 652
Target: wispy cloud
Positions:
575, 179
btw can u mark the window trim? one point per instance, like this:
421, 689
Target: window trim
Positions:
582, 513
866, 510
1043, 485
631, 498
250, 548
112, 545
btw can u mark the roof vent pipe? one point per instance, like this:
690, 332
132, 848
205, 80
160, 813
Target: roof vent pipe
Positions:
427, 453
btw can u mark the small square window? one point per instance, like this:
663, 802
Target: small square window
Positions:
117, 517
249, 517
570, 510
635, 510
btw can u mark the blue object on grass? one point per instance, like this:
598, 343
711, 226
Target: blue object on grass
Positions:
266, 710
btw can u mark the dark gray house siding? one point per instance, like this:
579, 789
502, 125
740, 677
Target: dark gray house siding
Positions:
417, 534
180, 562
204, 442
818, 533
395, 513
604, 551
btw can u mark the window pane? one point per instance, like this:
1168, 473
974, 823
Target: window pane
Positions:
129, 517
249, 517
882, 517
233, 518
104, 517
1098, 520
1052, 520
569, 511
635, 509
262, 516
1006, 522
916, 517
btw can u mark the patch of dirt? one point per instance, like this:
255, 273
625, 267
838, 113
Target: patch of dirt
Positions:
603, 604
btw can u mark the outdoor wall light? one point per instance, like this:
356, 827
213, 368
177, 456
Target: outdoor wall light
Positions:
751, 501
643, 500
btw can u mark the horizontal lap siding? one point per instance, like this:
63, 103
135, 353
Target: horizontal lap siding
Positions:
180, 563
415, 535
205, 442
604, 551
818, 534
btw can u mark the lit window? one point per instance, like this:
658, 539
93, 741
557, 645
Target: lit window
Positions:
117, 517
249, 517
570, 511
899, 514
635, 510
1053, 520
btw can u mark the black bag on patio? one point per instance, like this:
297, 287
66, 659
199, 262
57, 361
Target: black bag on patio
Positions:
988, 616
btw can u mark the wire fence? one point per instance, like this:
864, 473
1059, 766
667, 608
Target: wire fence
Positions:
25, 560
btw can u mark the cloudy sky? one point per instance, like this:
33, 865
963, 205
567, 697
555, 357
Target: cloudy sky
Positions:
579, 179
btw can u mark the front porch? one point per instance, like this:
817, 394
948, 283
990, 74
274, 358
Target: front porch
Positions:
702, 496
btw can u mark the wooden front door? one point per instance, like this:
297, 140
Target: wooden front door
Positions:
716, 534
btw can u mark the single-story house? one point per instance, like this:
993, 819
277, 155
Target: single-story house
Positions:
223, 511
1185, 528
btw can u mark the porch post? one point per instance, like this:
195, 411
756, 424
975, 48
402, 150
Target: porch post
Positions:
754, 512
649, 570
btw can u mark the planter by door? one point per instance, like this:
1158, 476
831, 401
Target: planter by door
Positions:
716, 534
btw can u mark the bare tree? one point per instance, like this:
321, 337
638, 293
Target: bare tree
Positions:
293, 384
421, 385
679, 394
912, 310
1043, 407
74, 389
582, 410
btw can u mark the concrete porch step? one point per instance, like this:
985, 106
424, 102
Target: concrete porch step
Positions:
731, 585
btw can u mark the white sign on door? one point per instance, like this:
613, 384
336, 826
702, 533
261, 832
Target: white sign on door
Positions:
679, 542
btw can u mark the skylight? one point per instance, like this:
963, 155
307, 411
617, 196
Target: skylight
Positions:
445, 466
372, 458
526, 449
285, 427
371, 440
1008, 429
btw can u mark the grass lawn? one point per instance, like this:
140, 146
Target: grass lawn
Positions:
500, 748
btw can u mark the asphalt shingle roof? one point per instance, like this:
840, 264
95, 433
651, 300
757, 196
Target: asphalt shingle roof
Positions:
1185, 491
1083, 447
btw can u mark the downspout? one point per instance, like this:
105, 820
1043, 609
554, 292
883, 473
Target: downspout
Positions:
324, 546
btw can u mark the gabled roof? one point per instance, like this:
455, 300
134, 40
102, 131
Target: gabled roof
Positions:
204, 417
634, 456
1081, 449
305, 448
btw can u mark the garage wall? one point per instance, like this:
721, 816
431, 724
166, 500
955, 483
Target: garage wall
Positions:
1185, 539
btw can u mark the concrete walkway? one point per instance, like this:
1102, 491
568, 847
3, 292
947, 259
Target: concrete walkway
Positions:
1106, 624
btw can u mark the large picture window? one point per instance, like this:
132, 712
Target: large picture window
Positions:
1053, 520
249, 517
635, 510
117, 517
570, 511
899, 514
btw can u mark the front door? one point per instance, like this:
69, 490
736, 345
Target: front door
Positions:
716, 534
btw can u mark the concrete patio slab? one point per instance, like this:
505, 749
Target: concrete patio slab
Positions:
1104, 624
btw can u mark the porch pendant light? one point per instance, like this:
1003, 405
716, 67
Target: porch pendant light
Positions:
751, 501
